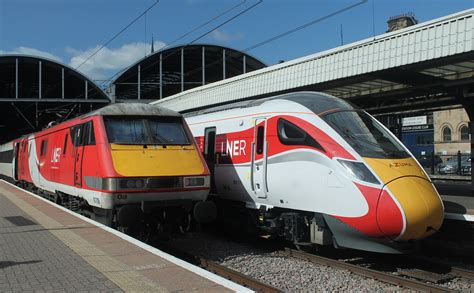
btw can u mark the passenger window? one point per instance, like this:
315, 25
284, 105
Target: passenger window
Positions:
65, 144
44, 146
260, 137
290, 134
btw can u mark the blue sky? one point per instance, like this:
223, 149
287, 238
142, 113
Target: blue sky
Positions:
70, 30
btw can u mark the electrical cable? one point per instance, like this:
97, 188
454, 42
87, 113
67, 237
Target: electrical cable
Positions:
303, 26
117, 34
183, 36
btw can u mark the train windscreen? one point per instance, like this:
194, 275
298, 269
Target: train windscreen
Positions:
146, 130
365, 135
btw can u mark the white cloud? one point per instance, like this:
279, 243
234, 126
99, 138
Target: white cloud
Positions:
222, 36
107, 60
33, 52
103, 64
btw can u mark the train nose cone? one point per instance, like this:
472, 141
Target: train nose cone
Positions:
389, 217
420, 204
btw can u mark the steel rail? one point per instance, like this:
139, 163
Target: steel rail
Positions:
454, 270
366, 272
236, 277
220, 270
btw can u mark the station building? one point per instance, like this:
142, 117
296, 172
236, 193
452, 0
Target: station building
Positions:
451, 132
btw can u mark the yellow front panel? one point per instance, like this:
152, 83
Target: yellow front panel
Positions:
137, 161
413, 190
421, 204
390, 169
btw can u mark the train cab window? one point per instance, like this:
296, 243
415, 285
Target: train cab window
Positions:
290, 134
44, 146
260, 137
65, 144
146, 130
365, 135
88, 134
75, 132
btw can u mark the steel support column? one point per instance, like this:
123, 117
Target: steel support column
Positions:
223, 63
182, 69
203, 65
469, 107
16, 78
39, 80
138, 82
85, 89
62, 83
161, 76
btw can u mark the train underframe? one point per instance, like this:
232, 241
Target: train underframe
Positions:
304, 229
142, 220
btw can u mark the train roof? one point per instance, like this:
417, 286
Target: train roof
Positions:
132, 109
317, 102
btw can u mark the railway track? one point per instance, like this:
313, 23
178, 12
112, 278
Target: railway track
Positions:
445, 266
221, 270
370, 273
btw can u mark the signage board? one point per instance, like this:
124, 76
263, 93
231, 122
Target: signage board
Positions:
417, 120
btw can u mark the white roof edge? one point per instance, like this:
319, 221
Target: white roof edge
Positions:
447, 18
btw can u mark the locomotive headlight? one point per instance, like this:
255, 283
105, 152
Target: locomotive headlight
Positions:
139, 183
359, 170
132, 183
194, 181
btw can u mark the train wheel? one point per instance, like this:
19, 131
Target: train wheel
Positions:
185, 223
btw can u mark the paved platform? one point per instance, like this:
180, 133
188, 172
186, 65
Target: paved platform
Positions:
46, 248
459, 207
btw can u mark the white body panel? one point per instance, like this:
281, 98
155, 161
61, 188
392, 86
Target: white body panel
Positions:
300, 179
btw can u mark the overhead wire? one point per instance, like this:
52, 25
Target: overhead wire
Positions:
118, 34
105, 44
280, 35
185, 35
204, 34
303, 26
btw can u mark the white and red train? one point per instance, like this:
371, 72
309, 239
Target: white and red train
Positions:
315, 169
122, 163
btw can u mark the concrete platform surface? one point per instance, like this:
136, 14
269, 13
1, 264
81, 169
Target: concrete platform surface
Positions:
459, 207
46, 248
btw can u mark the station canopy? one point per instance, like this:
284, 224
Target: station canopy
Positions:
174, 70
35, 91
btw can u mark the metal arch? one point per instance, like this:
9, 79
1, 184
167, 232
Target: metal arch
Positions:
41, 62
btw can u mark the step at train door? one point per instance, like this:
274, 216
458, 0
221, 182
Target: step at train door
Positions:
259, 159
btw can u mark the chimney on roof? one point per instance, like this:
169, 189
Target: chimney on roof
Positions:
401, 21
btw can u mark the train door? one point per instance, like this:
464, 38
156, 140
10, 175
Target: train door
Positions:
16, 153
210, 153
259, 159
76, 133
22, 159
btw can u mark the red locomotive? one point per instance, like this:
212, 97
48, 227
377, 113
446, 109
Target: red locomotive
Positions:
121, 163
